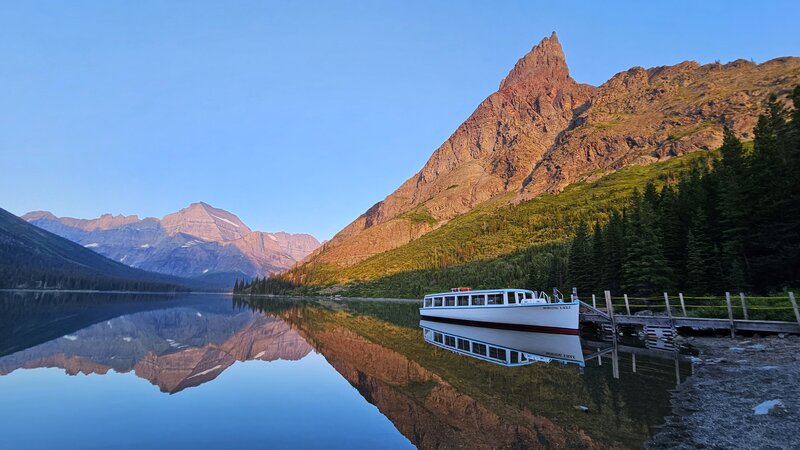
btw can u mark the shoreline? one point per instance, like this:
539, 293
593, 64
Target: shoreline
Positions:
92, 291
331, 298
716, 406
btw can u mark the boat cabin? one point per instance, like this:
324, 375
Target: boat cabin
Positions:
461, 297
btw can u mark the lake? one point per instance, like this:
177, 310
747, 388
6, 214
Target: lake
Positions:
95, 370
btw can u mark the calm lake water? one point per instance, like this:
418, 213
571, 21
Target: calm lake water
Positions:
85, 371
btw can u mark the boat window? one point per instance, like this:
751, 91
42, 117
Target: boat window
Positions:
494, 299
522, 357
449, 341
463, 300
437, 301
427, 334
428, 302
497, 353
529, 295
450, 301
479, 349
437, 337
479, 299
463, 344
514, 357
512, 297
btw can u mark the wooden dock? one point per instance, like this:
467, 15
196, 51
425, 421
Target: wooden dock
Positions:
593, 314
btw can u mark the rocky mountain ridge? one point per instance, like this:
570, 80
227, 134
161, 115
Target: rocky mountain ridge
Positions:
542, 131
197, 241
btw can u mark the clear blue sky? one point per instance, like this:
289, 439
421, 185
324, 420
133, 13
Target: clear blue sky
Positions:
297, 116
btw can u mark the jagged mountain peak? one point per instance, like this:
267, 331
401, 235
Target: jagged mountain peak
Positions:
104, 222
545, 62
206, 222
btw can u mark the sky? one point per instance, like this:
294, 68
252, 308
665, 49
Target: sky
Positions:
297, 116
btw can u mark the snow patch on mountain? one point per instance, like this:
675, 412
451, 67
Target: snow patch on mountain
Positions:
225, 220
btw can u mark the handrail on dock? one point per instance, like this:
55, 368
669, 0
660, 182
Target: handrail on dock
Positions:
730, 322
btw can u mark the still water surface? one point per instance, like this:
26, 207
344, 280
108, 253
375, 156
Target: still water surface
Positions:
206, 371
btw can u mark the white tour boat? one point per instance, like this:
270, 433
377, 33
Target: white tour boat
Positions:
506, 308
504, 347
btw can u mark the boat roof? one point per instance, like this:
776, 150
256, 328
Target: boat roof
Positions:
481, 291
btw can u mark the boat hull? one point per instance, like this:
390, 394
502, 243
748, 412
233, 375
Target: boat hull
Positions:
548, 318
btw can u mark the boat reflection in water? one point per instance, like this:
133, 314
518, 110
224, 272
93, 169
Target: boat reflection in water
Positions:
505, 347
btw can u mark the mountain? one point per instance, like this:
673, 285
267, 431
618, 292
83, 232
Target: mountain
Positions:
31, 257
197, 241
542, 131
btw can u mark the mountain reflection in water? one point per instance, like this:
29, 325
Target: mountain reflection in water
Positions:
175, 349
433, 395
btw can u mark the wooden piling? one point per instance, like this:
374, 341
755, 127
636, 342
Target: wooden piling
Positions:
633, 356
730, 314
669, 310
794, 305
594, 301
683, 305
744, 306
627, 306
610, 310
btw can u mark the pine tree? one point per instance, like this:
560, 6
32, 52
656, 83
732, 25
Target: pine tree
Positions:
701, 262
645, 269
614, 252
580, 260
735, 217
770, 226
598, 258
673, 232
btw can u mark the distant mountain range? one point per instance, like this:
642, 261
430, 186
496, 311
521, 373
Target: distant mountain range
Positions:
199, 241
31, 257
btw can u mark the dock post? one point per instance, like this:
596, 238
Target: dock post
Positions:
744, 305
633, 355
594, 301
666, 302
669, 312
615, 361
794, 305
610, 310
730, 314
627, 306
683, 305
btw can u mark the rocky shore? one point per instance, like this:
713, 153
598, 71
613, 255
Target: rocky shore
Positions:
744, 393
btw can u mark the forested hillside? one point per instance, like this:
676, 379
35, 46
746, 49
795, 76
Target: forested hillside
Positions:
701, 223
734, 225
